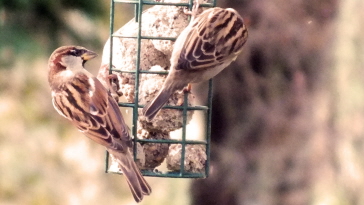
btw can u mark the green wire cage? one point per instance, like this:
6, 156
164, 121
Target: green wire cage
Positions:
136, 105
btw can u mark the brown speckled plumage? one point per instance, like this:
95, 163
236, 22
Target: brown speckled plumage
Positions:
82, 99
210, 43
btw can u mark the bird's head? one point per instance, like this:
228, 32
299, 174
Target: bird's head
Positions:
70, 58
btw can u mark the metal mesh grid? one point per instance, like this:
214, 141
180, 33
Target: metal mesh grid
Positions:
171, 174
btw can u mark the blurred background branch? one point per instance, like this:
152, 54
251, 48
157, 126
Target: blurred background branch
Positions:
29, 28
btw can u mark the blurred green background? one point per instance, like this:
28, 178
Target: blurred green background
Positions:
288, 115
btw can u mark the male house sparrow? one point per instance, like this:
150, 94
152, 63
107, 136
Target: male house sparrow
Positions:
210, 43
82, 99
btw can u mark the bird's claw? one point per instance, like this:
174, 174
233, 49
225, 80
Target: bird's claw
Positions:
188, 88
114, 87
194, 10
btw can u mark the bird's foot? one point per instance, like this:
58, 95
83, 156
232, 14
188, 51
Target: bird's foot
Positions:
113, 86
186, 90
194, 12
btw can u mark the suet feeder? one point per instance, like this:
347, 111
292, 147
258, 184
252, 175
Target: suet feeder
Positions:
138, 54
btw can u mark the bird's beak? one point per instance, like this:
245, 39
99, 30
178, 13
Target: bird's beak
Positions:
88, 55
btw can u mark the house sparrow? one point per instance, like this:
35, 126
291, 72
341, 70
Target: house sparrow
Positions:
81, 98
211, 41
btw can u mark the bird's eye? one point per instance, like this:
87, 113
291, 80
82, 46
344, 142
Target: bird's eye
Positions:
75, 52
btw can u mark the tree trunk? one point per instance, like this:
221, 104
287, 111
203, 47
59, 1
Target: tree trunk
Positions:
288, 115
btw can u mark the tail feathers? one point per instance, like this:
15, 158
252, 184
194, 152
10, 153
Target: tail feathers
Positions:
151, 109
137, 184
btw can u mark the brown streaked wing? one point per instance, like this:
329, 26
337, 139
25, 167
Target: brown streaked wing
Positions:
93, 111
110, 119
59, 105
213, 40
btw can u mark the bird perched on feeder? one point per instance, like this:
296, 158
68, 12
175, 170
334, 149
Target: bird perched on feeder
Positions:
211, 41
81, 98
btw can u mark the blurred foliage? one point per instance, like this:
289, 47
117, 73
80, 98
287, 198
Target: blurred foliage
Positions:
37, 146
28, 27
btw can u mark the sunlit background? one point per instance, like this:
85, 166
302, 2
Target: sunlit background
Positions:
288, 115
